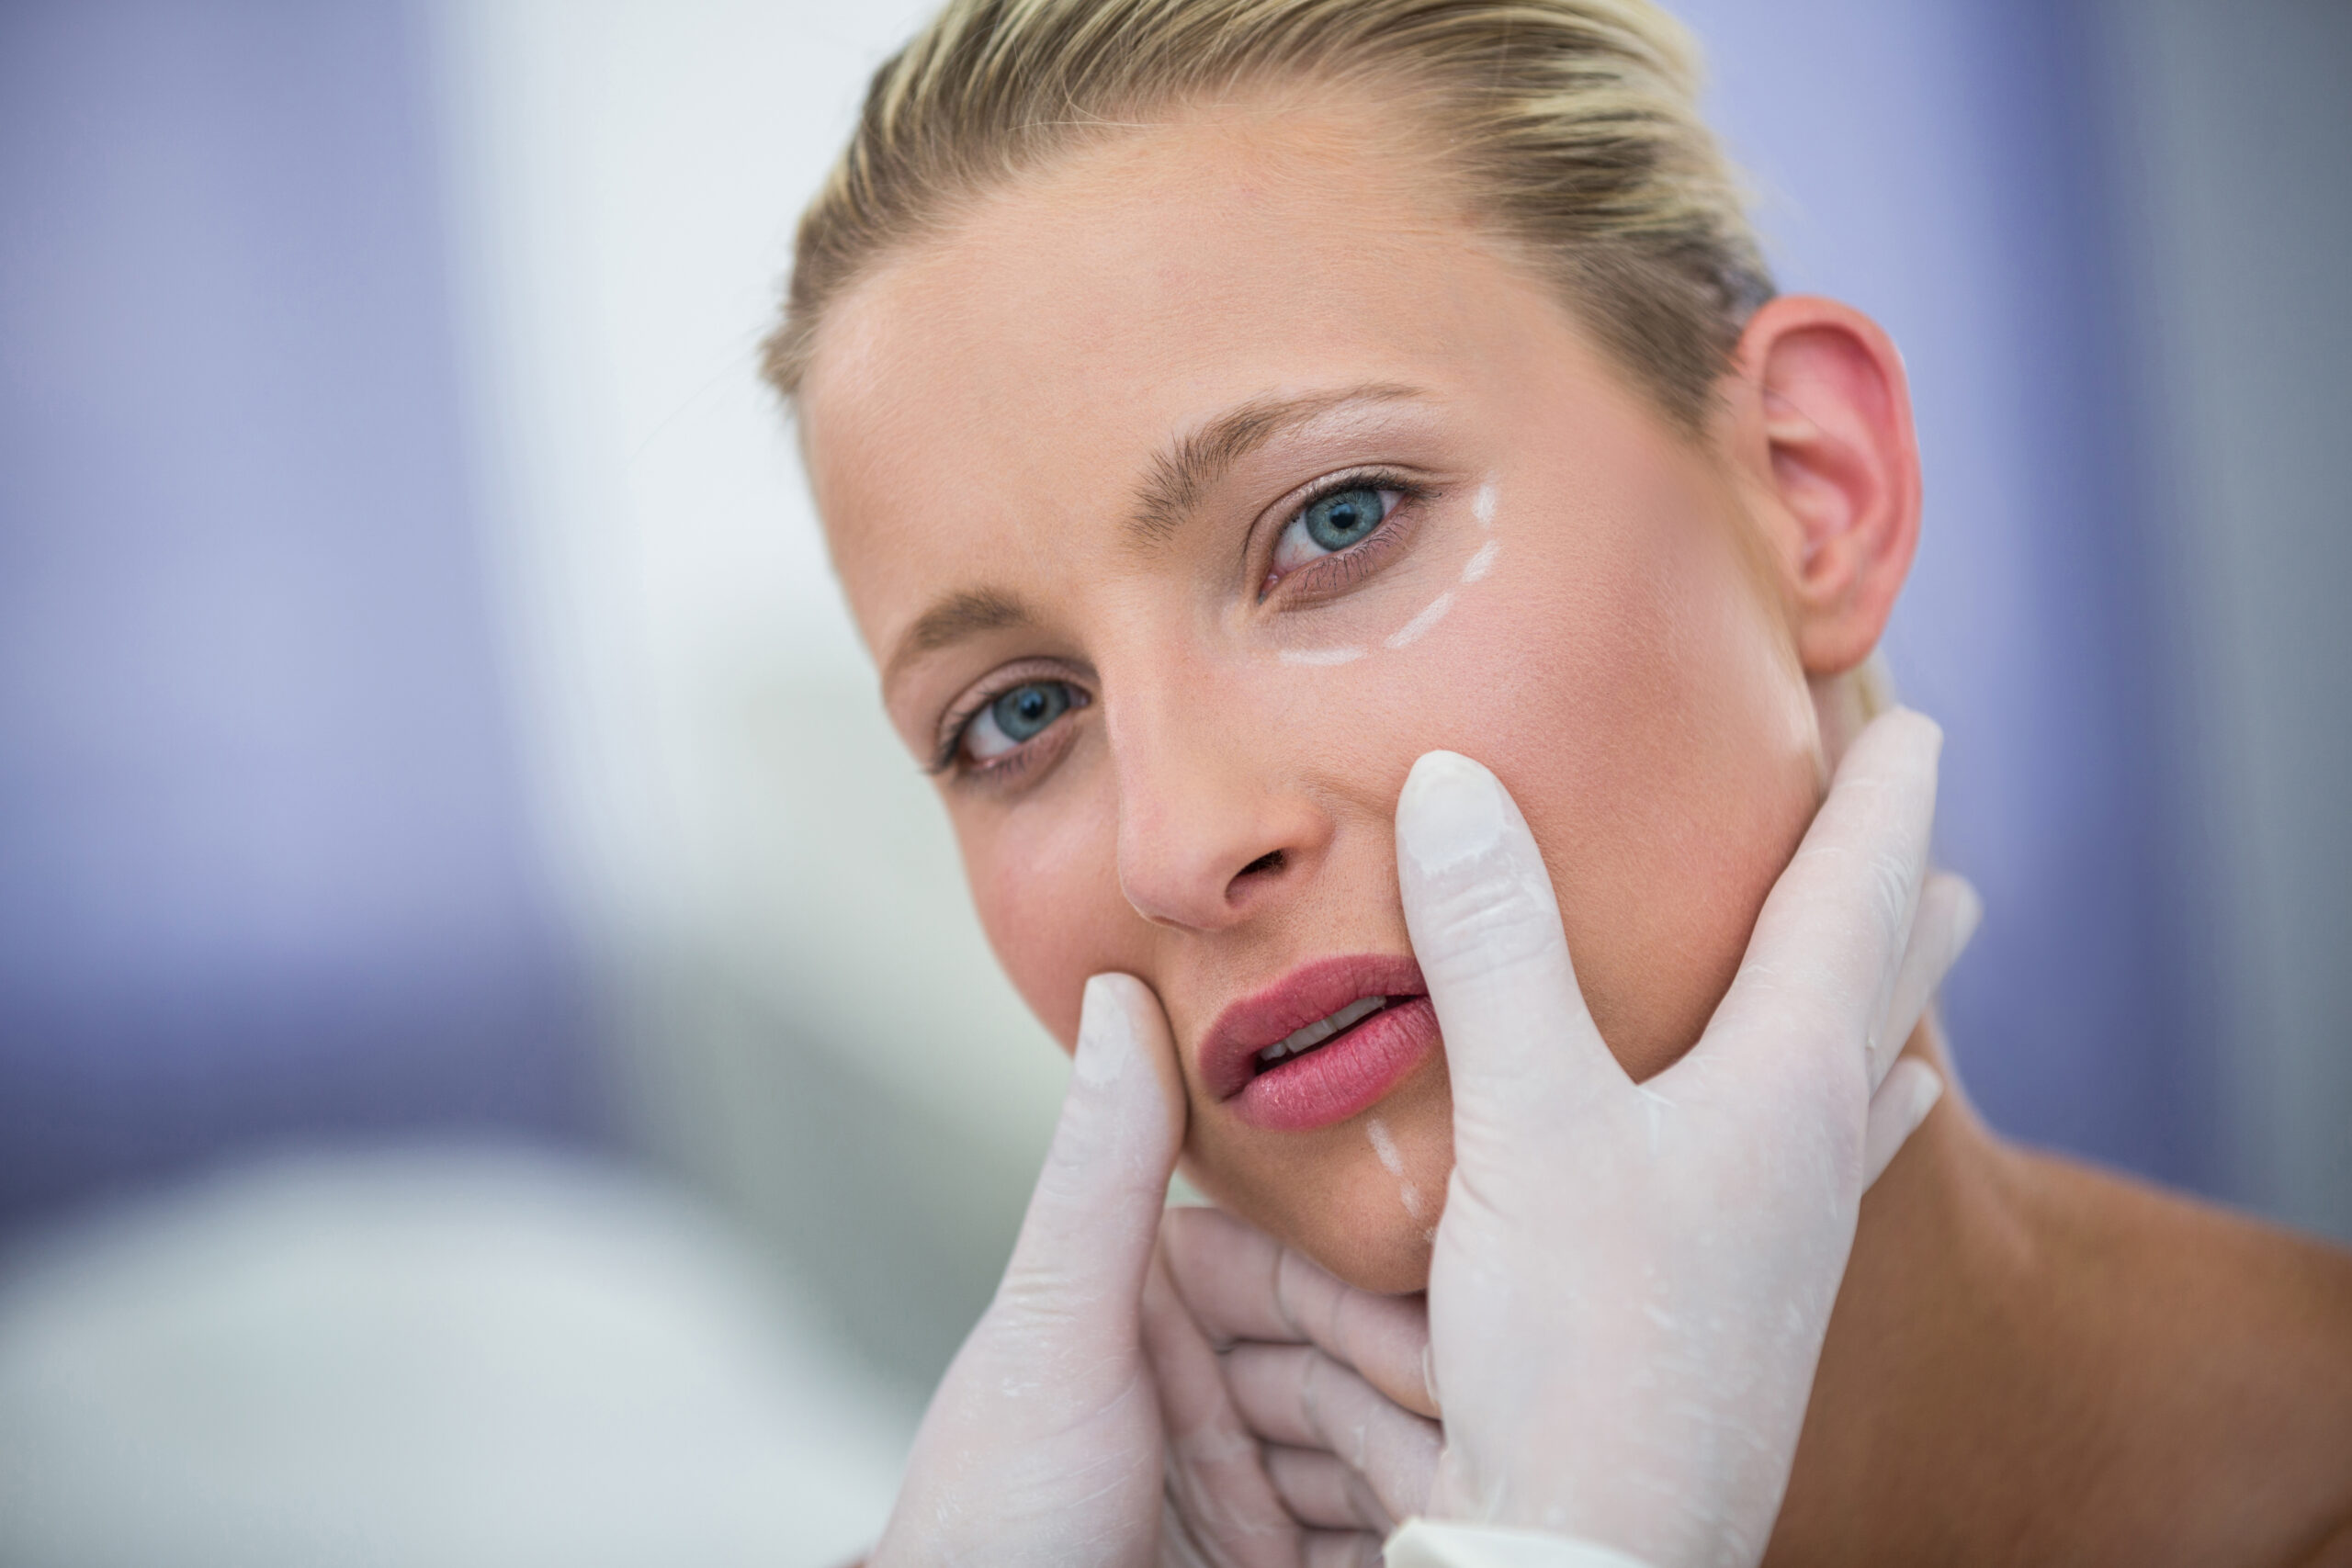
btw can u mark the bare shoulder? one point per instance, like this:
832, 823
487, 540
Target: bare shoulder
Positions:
2229, 1344
2265, 1301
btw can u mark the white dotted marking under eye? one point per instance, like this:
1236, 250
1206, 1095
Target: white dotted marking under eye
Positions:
1319, 655
1482, 507
1411, 630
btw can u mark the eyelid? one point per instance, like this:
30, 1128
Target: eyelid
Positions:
959, 714
1287, 511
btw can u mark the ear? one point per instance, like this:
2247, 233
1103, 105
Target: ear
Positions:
1821, 425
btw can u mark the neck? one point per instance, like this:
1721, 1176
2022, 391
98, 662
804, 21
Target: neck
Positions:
2030, 1360
1930, 1353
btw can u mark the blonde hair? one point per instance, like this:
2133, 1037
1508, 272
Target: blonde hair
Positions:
1571, 125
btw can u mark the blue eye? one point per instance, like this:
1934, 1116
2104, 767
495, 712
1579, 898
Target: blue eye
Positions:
1332, 524
1024, 710
1018, 716
1338, 520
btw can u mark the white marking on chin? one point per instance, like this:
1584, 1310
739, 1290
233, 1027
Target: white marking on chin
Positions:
1411, 630
1319, 655
1477, 566
1383, 1146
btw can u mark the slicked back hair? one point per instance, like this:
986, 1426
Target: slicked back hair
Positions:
1570, 126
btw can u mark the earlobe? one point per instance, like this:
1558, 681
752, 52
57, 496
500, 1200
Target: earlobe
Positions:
1839, 467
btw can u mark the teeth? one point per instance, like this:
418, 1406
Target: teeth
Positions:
1322, 1029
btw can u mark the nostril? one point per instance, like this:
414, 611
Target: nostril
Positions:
1271, 860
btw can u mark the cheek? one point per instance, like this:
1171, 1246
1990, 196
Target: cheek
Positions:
1045, 884
1638, 705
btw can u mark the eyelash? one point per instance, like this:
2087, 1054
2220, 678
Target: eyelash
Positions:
1350, 566
958, 724
1315, 579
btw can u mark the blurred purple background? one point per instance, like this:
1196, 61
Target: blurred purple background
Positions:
266, 868
269, 869
1953, 168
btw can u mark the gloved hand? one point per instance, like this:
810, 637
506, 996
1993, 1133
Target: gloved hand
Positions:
1043, 1442
1631, 1282
1282, 1455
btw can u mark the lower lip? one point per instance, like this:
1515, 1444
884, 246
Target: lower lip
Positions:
1344, 1079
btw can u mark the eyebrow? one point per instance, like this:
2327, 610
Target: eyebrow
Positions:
1179, 477
953, 619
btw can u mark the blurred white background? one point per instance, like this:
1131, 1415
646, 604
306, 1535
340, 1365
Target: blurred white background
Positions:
759, 864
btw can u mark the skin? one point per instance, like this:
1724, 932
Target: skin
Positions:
1652, 666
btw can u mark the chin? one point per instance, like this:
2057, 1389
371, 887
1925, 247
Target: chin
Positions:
1365, 1211
1376, 1254
1356, 1229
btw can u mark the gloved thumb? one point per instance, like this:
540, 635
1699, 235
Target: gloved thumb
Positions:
1093, 1219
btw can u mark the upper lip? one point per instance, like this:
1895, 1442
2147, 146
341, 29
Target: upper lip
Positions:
1312, 991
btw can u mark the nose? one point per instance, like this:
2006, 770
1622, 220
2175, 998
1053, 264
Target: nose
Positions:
1210, 828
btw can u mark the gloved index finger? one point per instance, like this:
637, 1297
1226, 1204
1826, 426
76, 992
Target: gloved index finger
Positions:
1228, 1510
1829, 941
1241, 1285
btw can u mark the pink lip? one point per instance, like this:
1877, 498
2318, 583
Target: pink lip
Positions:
1349, 1075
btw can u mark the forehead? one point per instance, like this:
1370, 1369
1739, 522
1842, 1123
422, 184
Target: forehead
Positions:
1015, 374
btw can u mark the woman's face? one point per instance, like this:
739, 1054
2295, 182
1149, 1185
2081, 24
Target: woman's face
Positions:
1188, 491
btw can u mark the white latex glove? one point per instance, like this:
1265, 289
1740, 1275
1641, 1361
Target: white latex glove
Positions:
1043, 1442
1335, 1382
1282, 1455
1631, 1282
